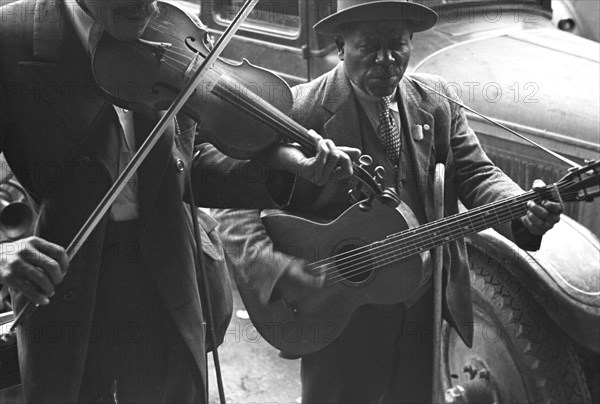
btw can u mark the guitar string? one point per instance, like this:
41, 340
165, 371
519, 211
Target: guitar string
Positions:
390, 244
411, 242
397, 255
420, 229
467, 218
387, 252
406, 234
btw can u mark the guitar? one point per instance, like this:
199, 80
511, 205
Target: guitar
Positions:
377, 264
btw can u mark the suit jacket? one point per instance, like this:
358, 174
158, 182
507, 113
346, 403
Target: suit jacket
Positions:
59, 135
329, 106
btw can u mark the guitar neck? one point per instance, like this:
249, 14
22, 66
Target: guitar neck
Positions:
413, 241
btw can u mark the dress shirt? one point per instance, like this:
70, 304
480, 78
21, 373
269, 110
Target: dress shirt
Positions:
369, 105
89, 32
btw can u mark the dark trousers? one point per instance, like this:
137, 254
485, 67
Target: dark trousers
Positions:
383, 356
135, 353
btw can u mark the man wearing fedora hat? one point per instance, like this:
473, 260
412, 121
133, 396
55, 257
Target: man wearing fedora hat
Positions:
384, 353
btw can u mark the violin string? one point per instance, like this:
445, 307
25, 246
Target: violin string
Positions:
174, 45
179, 70
281, 125
250, 108
134, 48
185, 57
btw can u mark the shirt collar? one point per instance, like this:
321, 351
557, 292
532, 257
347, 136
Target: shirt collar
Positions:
365, 98
88, 30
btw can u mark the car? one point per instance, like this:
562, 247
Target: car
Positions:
580, 17
537, 315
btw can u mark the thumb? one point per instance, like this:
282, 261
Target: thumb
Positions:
352, 152
538, 185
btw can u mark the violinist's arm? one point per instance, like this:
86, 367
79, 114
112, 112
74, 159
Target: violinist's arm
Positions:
267, 180
331, 163
220, 181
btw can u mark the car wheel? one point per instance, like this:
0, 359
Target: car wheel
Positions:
518, 354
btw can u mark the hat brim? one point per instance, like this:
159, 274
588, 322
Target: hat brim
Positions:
416, 16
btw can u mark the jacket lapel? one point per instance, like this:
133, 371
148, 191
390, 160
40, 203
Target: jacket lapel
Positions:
61, 70
338, 100
419, 124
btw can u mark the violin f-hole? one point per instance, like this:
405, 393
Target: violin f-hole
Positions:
191, 43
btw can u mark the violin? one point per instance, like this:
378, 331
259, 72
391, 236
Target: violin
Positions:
243, 109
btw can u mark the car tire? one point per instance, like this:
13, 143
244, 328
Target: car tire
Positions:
517, 349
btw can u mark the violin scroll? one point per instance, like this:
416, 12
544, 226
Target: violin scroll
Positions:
374, 185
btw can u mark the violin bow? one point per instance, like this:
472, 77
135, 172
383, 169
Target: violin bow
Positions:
139, 157
495, 122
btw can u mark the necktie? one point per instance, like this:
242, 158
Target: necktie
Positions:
388, 130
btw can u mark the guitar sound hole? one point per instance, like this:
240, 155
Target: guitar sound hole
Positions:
354, 267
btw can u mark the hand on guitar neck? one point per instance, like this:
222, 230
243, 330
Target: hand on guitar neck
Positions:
541, 217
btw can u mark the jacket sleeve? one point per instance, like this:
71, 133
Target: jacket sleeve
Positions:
256, 265
223, 182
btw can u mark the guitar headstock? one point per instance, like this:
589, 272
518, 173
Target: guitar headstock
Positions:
369, 185
581, 184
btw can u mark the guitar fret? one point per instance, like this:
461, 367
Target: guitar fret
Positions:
442, 231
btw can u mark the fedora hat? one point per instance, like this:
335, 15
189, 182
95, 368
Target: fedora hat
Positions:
416, 16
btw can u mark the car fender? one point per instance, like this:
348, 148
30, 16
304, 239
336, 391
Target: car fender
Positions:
563, 276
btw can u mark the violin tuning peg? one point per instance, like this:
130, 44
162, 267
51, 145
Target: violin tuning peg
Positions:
365, 160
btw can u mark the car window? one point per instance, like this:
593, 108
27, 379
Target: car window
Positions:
272, 16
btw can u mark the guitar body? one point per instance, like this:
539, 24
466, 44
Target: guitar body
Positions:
307, 325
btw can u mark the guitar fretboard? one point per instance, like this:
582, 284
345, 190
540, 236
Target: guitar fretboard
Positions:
399, 246
413, 241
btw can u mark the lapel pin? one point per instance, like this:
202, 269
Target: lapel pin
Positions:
417, 132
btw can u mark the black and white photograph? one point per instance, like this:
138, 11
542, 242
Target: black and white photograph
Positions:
299, 201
